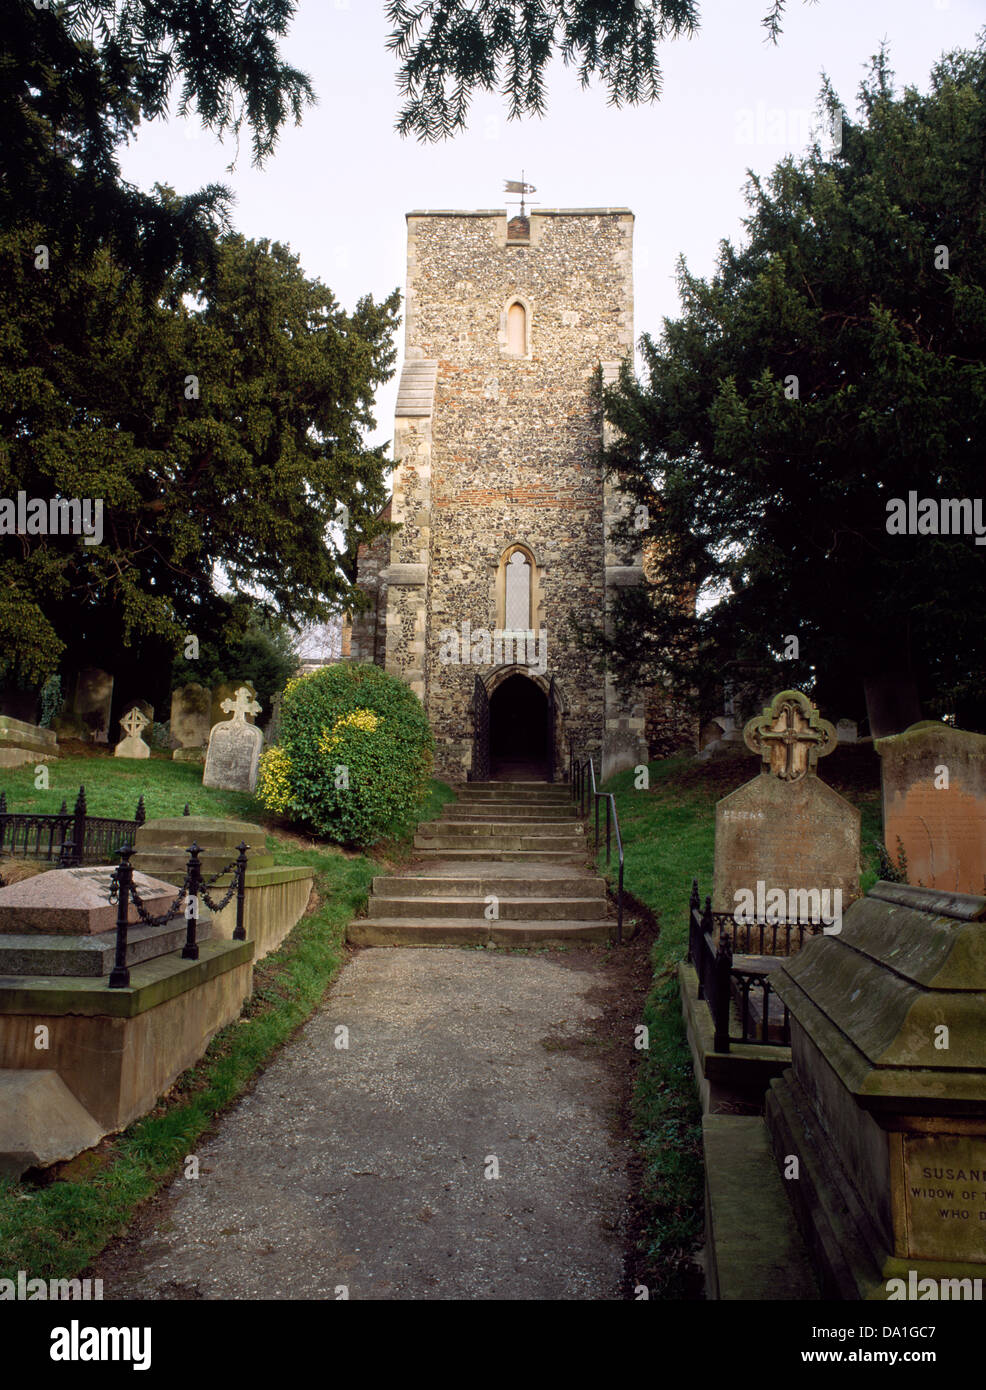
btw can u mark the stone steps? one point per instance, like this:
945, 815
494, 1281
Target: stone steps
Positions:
498, 810
567, 885
429, 931
519, 842
509, 909
481, 854
531, 829
500, 840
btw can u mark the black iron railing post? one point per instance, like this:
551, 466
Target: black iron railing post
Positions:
190, 951
609, 809
123, 878
722, 971
141, 815
79, 827
619, 907
239, 932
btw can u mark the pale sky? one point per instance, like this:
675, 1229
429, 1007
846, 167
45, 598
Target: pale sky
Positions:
338, 186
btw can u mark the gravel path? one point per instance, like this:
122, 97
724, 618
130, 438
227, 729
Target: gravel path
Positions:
370, 1169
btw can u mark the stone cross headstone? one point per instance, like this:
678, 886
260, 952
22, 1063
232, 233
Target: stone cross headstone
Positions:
132, 745
786, 832
190, 705
93, 698
934, 805
223, 692
234, 746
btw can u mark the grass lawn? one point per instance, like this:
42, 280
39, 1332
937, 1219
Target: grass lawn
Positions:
668, 835
55, 1230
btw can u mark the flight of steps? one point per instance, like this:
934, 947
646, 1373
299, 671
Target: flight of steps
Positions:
520, 843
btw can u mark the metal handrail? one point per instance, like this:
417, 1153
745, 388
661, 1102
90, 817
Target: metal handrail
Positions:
582, 779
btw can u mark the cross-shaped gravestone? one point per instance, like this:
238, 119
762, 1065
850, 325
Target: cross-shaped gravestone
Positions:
790, 736
243, 705
134, 723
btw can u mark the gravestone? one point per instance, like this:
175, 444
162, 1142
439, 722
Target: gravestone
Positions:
934, 805
884, 1106
272, 732
21, 742
92, 701
234, 747
786, 831
847, 731
190, 709
132, 745
222, 693
146, 709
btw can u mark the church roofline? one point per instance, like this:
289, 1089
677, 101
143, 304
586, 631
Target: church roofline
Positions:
533, 212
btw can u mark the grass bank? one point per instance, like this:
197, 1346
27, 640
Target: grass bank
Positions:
669, 836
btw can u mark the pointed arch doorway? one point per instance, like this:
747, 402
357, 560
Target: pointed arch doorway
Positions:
515, 728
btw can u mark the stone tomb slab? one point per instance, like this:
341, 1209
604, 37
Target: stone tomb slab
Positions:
74, 902
92, 956
942, 828
789, 835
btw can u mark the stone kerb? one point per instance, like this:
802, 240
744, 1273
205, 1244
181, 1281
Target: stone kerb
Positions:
276, 894
22, 743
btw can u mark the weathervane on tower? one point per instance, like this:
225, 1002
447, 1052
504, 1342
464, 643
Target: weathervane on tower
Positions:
519, 186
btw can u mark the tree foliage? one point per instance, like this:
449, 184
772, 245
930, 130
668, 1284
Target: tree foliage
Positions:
78, 80
222, 431
449, 49
833, 362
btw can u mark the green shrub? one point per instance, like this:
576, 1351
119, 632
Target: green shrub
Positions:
355, 755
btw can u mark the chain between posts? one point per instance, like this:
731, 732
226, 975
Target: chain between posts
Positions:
123, 892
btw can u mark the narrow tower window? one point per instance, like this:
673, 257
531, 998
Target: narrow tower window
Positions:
517, 330
518, 596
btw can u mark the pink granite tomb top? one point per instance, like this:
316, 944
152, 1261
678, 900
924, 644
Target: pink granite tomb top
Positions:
75, 902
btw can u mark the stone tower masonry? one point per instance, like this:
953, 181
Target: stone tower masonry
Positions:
496, 448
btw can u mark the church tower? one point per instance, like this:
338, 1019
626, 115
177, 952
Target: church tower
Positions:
503, 507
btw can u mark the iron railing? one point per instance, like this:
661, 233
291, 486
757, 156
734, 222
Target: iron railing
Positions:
69, 838
193, 891
713, 940
582, 780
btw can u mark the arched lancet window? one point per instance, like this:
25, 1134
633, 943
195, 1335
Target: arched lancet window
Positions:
516, 330
517, 605
518, 595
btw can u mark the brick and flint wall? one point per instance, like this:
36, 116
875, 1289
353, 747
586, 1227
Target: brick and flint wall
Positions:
494, 449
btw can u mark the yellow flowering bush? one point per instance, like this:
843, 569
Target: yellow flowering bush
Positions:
362, 719
355, 755
274, 780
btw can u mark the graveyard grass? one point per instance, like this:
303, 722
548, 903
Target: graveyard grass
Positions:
668, 836
55, 1231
